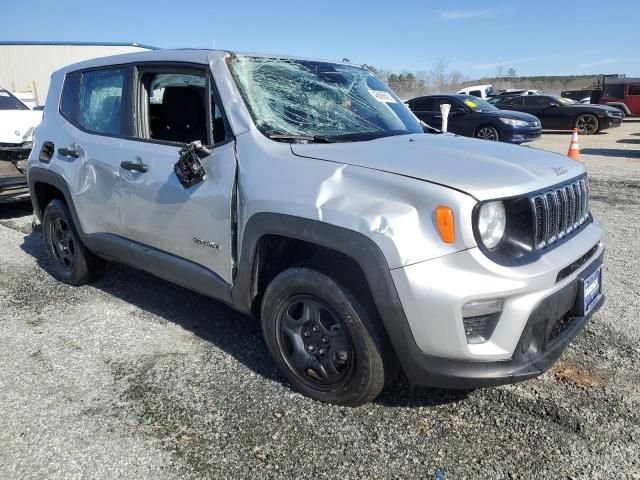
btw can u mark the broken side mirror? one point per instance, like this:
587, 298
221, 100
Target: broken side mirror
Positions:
189, 168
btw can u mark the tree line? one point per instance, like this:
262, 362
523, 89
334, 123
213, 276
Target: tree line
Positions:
440, 78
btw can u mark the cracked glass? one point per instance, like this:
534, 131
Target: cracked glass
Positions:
304, 100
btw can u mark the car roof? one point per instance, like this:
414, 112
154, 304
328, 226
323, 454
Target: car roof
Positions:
186, 55
457, 96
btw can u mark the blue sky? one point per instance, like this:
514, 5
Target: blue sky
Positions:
535, 37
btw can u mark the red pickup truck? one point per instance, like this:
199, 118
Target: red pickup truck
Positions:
622, 93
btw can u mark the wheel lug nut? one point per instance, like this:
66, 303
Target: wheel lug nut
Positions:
322, 351
307, 333
310, 348
314, 328
325, 340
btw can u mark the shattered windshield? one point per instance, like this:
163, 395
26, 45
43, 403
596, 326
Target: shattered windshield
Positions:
292, 99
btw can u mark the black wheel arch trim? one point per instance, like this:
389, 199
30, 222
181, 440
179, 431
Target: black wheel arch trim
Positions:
356, 246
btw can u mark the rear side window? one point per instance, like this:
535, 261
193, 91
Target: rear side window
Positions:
476, 93
424, 105
70, 96
634, 89
100, 108
613, 91
536, 101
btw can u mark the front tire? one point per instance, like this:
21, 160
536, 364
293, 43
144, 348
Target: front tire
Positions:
327, 344
587, 124
487, 132
72, 262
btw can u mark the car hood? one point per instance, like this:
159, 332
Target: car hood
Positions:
480, 168
15, 123
593, 108
527, 117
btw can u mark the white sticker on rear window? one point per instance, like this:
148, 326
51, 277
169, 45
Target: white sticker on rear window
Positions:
382, 96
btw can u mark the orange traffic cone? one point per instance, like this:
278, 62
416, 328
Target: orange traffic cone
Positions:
574, 148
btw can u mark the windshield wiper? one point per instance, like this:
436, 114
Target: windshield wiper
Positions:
304, 138
361, 136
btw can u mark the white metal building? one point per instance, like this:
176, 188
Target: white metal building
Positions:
27, 66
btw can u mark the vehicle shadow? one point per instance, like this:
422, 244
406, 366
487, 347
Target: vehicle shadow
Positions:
569, 132
611, 152
629, 140
18, 209
236, 334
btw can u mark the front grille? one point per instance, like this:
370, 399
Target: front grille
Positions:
560, 211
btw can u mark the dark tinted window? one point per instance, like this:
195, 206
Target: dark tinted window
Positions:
220, 133
613, 91
515, 101
476, 93
70, 96
634, 89
9, 102
424, 105
101, 94
536, 101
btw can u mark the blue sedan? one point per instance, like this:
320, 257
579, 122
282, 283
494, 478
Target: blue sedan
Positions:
472, 117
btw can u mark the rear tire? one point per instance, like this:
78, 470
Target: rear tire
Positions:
72, 262
587, 124
323, 339
487, 132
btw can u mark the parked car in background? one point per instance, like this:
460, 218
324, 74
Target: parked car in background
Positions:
479, 91
473, 117
17, 122
557, 113
621, 93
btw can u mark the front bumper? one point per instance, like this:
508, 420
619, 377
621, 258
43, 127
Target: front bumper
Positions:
550, 328
610, 122
536, 298
521, 135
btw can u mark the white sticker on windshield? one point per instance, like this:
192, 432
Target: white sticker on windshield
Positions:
382, 96
4, 94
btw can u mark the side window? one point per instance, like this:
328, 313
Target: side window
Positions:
476, 93
536, 101
218, 127
634, 89
613, 91
9, 102
101, 94
175, 106
424, 105
515, 101
70, 96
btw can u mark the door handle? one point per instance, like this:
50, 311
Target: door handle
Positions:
135, 166
68, 152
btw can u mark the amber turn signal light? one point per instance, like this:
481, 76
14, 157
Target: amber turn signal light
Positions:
446, 227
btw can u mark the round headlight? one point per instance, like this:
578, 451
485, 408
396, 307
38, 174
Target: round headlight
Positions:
491, 223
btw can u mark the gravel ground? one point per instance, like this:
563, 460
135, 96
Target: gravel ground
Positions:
133, 377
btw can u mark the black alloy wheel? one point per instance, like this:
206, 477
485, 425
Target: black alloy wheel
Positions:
315, 342
72, 262
487, 132
587, 124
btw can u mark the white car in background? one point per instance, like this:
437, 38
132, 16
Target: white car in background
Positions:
480, 91
17, 123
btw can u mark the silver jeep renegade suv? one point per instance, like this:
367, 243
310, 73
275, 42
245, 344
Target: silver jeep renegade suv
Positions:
306, 194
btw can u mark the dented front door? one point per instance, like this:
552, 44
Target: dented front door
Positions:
191, 223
